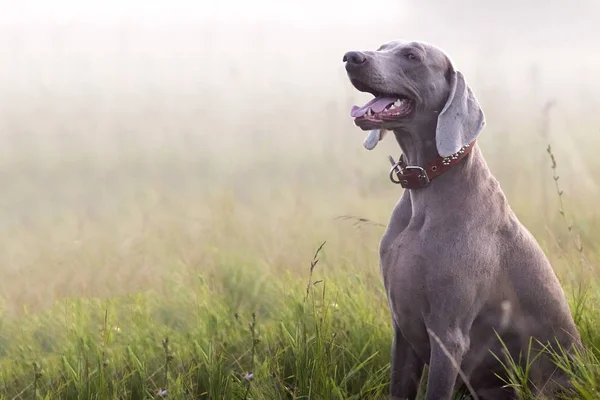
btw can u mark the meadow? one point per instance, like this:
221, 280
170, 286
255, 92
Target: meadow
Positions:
156, 244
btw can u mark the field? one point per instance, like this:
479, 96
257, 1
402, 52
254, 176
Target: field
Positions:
156, 244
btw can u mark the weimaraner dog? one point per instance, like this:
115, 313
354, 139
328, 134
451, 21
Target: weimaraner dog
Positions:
459, 269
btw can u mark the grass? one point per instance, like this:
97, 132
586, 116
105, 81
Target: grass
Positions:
196, 341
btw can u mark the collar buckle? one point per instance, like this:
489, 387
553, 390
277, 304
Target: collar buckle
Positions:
419, 172
400, 173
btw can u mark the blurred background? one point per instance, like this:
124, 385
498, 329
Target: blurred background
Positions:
139, 136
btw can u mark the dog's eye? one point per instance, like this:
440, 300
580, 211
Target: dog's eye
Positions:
410, 56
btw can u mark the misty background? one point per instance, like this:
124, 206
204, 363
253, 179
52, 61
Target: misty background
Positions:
117, 116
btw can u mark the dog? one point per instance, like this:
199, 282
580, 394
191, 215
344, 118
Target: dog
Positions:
460, 270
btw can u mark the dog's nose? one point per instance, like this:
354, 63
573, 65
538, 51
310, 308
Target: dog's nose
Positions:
354, 57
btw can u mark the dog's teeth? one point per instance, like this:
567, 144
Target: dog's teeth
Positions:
392, 107
369, 112
398, 103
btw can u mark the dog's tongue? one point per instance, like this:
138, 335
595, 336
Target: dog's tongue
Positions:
377, 105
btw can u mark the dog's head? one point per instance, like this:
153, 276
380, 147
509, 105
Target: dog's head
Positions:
416, 87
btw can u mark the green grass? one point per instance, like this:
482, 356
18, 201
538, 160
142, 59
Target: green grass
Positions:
331, 343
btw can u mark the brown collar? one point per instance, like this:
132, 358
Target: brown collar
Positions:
414, 177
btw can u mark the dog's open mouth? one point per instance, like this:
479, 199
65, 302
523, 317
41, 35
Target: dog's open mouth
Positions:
374, 115
379, 114
383, 108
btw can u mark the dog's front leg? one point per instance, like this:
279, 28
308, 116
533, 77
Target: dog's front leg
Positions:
448, 347
406, 369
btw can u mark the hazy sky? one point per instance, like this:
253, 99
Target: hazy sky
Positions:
152, 10
118, 42
538, 25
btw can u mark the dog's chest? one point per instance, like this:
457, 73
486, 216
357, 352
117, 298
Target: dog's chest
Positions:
404, 275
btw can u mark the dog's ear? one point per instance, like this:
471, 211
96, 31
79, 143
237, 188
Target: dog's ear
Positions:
461, 120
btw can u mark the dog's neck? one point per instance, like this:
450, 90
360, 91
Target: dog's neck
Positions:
418, 150
470, 175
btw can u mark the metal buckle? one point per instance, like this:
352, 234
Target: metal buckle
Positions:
398, 170
395, 168
422, 174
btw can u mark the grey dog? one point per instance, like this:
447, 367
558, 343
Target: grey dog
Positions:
459, 269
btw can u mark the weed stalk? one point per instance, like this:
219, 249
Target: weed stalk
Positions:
250, 375
37, 374
168, 357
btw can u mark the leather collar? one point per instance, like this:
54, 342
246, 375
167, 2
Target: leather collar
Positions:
415, 177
